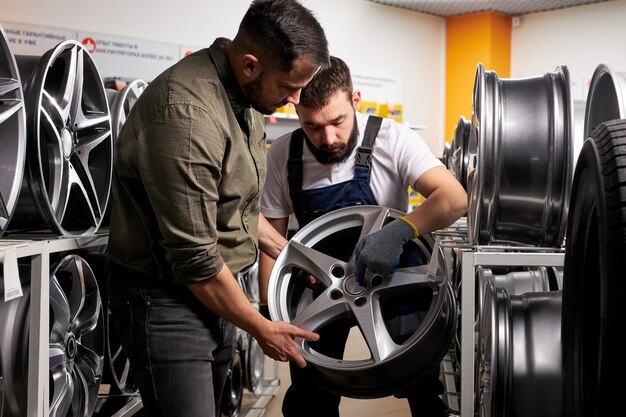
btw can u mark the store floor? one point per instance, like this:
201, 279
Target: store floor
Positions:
349, 407
381, 407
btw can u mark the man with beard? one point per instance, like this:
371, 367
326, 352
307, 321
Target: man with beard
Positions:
189, 166
342, 158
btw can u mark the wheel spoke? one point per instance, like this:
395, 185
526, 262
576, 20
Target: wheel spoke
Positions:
411, 277
62, 389
375, 334
8, 108
8, 85
68, 86
60, 313
312, 261
82, 179
4, 212
321, 311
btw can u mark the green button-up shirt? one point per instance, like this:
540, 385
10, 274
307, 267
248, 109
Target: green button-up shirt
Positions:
188, 170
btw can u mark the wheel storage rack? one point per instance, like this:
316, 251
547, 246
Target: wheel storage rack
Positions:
471, 256
38, 248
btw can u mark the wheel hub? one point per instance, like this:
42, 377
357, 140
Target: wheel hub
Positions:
67, 143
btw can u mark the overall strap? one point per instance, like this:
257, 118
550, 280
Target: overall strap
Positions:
294, 164
364, 152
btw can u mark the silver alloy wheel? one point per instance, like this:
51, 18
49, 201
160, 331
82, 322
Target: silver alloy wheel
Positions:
519, 177
606, 99
12, 134
521, 373
70, 142
254, 366
407, 318
122, 101
75, 365
75, 351
459, 152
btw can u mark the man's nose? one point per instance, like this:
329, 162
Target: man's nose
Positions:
294, 97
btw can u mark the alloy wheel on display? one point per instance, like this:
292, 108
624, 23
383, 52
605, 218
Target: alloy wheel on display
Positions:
520, 371
459, 152
606, 99
75, 364
69, 140
254, 366
75, 349
12, 133
122, 101
406, 318
232, 396
521, 155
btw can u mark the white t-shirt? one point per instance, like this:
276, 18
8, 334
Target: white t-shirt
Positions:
400, 157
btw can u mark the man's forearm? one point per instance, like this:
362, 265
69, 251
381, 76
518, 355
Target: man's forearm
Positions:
271, 241
222, 295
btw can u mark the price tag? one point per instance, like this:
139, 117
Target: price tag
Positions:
12, 284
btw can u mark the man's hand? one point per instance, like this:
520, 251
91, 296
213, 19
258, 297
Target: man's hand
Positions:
379, 252
277, 342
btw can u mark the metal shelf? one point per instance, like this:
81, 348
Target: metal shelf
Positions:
39, 248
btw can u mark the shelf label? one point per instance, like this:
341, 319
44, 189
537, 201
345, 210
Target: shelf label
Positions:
12, 284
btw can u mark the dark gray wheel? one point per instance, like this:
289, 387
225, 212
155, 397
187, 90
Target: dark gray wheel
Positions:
520, 364
606, 99
70, 145
459, 152
12, 133
409, 317
232, 395
594, 312
520, 169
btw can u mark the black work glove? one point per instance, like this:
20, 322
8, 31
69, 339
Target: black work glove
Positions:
264, 310
380, 252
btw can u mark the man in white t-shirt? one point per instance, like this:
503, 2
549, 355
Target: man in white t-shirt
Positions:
341, 158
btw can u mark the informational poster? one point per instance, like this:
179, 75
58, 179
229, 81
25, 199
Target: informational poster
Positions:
129, 58
378, 88
34, 40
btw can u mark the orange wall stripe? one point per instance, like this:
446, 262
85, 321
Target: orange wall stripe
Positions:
470, 39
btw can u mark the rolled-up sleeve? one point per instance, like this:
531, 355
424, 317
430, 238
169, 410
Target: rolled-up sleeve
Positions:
180, 156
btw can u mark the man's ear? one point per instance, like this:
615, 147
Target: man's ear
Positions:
251, 67
356, 100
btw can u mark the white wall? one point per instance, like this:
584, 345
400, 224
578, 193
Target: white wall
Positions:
580, 37
373, 39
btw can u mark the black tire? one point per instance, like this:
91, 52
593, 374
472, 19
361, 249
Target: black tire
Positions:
594, 311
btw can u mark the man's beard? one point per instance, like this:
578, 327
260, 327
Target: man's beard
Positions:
254, 93
337, 157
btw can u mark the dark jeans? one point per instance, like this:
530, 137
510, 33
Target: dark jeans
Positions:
305, 398
179, 351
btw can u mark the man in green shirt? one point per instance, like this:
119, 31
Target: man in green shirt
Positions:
189, 167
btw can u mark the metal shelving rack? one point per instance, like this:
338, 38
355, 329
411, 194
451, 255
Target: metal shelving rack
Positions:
455, 238
38, 248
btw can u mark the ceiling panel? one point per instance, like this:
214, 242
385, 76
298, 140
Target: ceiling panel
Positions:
448, 8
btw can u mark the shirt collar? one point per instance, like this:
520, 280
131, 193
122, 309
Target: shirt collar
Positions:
237, 100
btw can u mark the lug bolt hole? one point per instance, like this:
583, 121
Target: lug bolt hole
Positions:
376, 280
336, 294
360, 302
338, 271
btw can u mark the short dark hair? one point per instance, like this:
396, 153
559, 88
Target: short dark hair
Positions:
326, 83
283, 30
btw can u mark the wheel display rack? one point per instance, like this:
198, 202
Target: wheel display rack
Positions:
472, 256
39, 248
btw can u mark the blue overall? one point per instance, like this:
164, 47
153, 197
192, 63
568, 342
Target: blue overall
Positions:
305, 398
